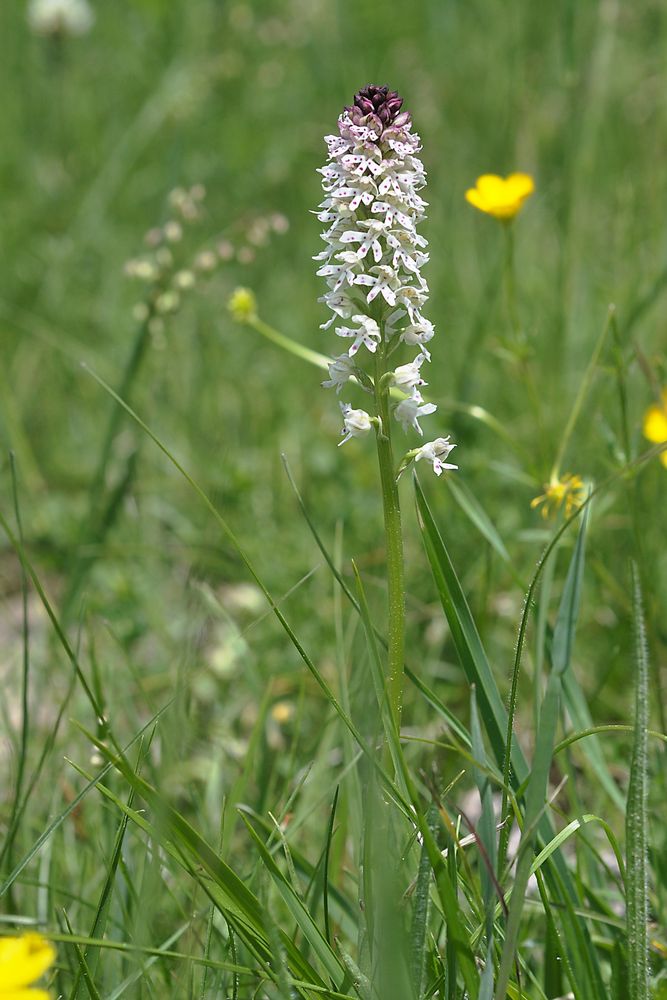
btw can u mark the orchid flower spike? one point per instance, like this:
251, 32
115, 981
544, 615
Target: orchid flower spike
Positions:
372, 262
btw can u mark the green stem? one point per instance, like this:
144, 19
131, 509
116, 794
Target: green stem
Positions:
287, 344
393, 543
515, 323
117, 415
510, 279
98, 520
581, 394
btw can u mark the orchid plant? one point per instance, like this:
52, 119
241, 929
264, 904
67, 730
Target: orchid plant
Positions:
372, 263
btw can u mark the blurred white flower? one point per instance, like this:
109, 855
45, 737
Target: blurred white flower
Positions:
140, 268
173, 231
206, 261
184, 280
279, 223
225, 250
340, 371
245, 255
60, 17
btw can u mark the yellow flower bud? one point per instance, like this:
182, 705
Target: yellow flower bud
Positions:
655, 424
242, 305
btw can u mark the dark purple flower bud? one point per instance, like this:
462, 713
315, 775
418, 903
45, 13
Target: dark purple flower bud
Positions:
357, 116
381, 103
366, 105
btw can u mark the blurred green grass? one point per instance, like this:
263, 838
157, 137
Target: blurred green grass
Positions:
93, 136
96, 132
238, 97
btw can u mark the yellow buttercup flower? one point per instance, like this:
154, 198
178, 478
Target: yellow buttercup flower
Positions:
655, 424
22, 961
569, 491
501, 197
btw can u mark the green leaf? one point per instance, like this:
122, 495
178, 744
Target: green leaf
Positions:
486, 826
273, 604
345, 910
304, 920
495, 721
57, 822
579, 713
420, 912
464, 632
84, 970
473, 509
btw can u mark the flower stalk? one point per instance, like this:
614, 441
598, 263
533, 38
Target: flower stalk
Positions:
510, 283
393, 532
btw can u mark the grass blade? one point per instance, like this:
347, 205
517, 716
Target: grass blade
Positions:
487, 820
458, 938
91, 955
56, 823
84, 970
637, 906
473, 509
464, 632
421, 907
325, 866
577, 709
305, 922
231, 537
453, 723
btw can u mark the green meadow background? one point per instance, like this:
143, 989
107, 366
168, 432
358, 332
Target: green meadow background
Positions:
94, 133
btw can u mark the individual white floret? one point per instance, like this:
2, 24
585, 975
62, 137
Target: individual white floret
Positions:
418, 334
356, 423
408, 411
341, 370
408, 377
436, 452
367, 333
